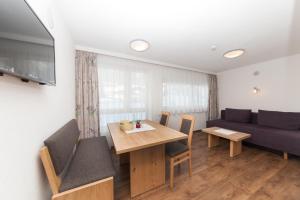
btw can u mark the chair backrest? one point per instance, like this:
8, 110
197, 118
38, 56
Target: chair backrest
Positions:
187, 126
164, 119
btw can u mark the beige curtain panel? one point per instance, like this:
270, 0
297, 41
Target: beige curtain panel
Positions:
213, 105
87, 94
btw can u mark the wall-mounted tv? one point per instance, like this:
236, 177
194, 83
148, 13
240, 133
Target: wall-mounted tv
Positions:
26, 46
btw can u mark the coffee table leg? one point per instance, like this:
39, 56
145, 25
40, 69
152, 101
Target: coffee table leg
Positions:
235, 148
212, 140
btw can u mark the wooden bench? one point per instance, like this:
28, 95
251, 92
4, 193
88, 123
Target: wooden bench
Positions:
78, 169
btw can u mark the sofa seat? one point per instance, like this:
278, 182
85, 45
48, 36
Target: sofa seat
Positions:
273, 138
277, 139
91, 162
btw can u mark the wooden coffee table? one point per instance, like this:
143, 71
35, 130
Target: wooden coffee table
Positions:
235, 138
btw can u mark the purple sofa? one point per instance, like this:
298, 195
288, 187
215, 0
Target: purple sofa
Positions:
275, 130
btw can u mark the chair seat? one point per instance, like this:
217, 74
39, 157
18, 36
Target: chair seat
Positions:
92, 162
175, 148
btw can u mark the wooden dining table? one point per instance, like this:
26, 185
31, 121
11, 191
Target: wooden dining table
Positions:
147, 154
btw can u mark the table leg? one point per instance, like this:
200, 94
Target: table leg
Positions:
147, 169
235, 148
212, 140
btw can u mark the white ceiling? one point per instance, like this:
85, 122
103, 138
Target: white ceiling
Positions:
16, 18
182, 32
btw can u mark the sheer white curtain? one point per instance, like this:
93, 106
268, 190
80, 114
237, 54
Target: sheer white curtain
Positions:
135, 90
123, 91
184, 91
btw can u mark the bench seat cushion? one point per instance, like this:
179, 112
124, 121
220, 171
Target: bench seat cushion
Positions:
91, 162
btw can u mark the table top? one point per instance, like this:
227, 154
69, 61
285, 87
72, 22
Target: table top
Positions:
124, 142
237, 136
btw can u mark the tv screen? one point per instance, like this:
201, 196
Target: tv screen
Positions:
26, 46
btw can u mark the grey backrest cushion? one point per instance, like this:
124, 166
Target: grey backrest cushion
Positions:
281, 120
61, 145
254, 118
223, 114
185, 126
238, 115
163, 119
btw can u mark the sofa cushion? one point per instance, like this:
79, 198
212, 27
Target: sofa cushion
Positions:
223, 114
278, 139
281, 120
254, 116
238, 115
92, 162
61, 145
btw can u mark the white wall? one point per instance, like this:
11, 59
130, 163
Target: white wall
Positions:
279, 82
29, 113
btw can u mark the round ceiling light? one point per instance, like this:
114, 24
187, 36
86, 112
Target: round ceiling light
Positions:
139, 45
234, 53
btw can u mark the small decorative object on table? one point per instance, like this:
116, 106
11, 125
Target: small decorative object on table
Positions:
138, 124
126, 125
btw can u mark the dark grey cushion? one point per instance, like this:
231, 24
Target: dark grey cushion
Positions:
254, 118
61, 145
281, 120
91, 162
163, 120
185, 126
238, 115
175, 148
223, 114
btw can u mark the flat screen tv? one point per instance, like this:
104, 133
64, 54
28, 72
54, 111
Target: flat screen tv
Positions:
26, 46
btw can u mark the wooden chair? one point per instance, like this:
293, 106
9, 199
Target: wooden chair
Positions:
180, 151
164, 119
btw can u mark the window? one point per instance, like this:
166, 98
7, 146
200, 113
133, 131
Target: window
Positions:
134, 90
123, 94
184, 91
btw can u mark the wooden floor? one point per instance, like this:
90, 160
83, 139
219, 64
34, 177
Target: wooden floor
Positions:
254, 175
